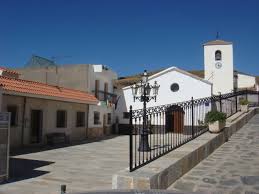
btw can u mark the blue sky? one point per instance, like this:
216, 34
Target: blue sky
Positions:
127, 35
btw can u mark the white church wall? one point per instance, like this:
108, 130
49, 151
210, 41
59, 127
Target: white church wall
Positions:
221, 78
245, 81
188, 87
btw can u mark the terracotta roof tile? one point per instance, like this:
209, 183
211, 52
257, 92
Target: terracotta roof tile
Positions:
9, 70
36, 88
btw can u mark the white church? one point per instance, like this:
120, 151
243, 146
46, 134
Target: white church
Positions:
177, 85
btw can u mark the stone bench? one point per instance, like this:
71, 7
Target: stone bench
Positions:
57, 138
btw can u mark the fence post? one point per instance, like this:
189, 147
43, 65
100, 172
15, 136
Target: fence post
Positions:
236, 101
130, 141
246, 94
192, 106
220, 103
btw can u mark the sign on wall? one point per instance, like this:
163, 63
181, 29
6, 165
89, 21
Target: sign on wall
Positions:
4, 145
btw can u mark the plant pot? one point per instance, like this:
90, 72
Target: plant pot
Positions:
244, 108
217, 126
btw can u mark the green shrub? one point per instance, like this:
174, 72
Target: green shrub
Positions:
213, 116
243, 102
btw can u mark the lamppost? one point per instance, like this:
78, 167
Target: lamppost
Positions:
141, 92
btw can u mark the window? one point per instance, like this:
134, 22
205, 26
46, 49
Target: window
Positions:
61, 118
218, 55
97, 82
13, 111
174, 87
109, 121
97, 118
80, 119
126, 115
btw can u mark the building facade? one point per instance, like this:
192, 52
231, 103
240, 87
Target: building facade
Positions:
95, 79
39, 109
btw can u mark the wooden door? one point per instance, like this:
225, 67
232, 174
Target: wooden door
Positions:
36, 126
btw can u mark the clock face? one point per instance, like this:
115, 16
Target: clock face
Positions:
218, 65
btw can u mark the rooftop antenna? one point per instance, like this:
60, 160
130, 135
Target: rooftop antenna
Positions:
56, 58
217, 36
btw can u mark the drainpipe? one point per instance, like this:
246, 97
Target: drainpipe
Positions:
23, 118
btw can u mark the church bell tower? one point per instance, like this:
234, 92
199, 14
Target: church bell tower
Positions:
218, 65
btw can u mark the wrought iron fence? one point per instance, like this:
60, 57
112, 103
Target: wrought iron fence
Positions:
172, 125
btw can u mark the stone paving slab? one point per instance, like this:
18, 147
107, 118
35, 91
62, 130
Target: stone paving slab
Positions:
82, 167
233, 168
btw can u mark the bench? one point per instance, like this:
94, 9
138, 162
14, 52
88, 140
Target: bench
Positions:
57, 138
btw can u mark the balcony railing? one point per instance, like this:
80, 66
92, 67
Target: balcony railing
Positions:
105, 96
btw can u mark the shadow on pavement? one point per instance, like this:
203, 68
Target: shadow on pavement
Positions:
40, 148
21, 169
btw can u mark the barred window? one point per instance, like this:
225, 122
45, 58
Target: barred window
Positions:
126, 115
61, 119
109, 121
96, 118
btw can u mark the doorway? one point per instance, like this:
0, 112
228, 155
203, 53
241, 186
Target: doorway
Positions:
36, 126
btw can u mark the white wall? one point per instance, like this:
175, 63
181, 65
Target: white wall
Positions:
188, 87
245, 81
103, 110
223, 78
104, 76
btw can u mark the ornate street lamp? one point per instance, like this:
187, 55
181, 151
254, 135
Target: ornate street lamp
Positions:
142, 92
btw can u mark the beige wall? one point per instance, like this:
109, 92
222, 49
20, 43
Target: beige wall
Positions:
49, 108
69, 76
103, 127
1, 96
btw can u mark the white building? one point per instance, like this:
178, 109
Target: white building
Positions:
176, 85
218, 76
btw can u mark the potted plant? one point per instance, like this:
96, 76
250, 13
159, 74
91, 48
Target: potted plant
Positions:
244, 105
216, 121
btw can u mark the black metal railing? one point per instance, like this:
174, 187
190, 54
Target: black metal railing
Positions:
104, 96
172, 125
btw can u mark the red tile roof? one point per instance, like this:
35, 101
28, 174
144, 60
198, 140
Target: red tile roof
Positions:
9, 70
44, 90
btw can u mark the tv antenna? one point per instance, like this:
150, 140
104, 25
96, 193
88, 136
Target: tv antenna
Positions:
55, 58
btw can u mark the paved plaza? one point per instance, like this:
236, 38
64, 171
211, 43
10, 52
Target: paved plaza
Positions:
88, 166
232, 168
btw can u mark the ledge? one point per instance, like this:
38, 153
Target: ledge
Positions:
161, 173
